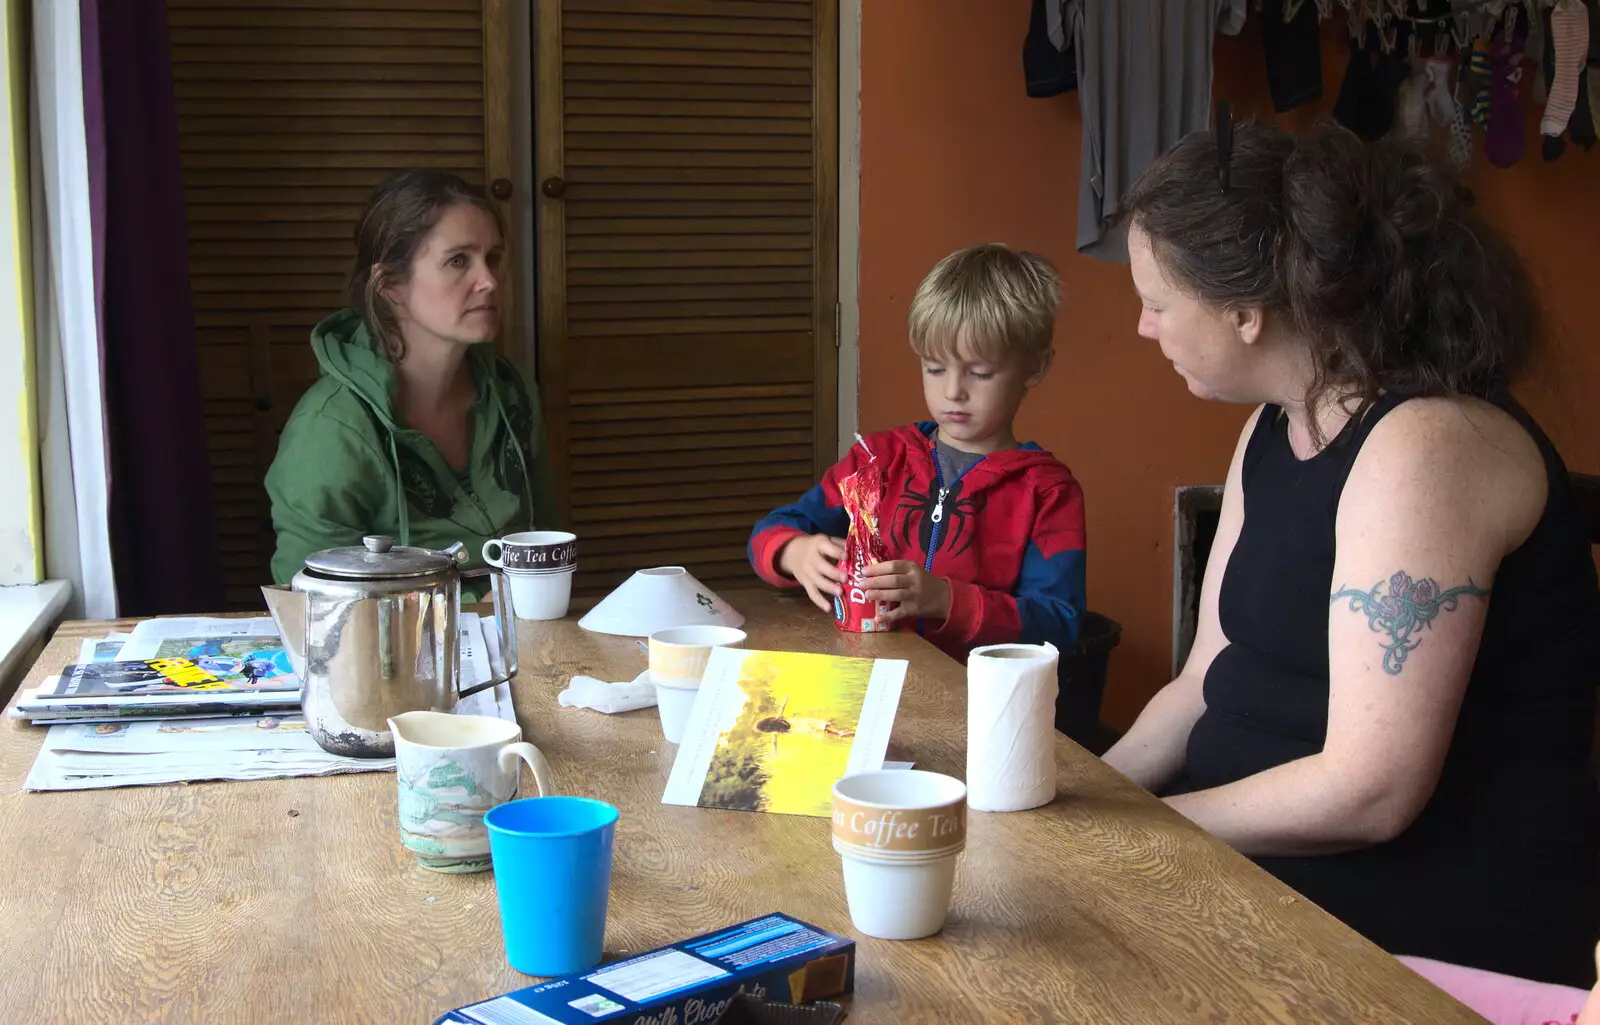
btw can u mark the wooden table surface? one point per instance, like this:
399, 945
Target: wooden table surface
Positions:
293, 901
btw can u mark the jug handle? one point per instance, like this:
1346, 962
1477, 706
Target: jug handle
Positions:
506, 620
536, 761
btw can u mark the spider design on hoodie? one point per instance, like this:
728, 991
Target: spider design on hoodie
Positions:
918, 509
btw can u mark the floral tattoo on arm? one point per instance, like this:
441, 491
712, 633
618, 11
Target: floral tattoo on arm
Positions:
1409, 607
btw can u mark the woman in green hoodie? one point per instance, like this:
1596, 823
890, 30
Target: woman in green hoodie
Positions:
417, 427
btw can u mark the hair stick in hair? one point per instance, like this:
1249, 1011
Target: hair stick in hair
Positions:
1224, 130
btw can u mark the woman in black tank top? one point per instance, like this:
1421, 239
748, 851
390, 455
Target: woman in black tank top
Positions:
1390, 702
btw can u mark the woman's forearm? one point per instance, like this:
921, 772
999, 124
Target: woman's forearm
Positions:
1304, 807
1152, 753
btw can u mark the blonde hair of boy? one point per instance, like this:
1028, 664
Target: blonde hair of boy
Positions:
989, 301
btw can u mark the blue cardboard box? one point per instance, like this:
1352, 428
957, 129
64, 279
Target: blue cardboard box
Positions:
775, 958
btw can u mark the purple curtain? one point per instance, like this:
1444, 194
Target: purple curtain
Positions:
163, 532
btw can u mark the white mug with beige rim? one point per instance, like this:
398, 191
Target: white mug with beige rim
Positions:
678, 657
450, 770
898, 833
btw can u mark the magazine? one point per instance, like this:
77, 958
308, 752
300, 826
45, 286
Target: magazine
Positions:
47, 704
774, 730
31, 705
119, 752
147, 637
255, 671
47, 714
156, 687
172, 667
102, 649
245, 653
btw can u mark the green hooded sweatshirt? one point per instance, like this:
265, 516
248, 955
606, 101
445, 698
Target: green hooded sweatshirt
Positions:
348, 466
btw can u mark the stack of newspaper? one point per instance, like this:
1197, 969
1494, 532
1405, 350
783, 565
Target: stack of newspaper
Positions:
134, 748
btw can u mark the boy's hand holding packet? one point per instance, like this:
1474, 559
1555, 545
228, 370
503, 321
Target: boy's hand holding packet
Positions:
852, 572
813, 561
912, 591
855, 609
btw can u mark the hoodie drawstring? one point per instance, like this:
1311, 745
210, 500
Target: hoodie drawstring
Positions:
404, 511
522, 460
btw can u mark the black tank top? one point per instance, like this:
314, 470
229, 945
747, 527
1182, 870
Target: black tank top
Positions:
1501, 870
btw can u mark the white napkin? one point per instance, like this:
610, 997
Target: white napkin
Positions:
587, 692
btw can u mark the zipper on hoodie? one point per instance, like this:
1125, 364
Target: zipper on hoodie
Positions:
937, 516
472, 494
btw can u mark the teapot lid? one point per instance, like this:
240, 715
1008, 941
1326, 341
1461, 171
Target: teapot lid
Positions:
379, 558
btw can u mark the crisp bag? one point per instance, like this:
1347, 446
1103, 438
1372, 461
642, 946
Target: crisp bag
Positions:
863, 547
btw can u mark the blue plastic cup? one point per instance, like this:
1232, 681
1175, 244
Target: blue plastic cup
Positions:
552, 870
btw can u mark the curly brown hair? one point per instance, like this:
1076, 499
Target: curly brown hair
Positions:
1371, 253
399, 216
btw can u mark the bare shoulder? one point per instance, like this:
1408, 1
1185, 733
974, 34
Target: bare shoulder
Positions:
1236, 461
1247, 430
1233, 485
1457, 433
1457, 457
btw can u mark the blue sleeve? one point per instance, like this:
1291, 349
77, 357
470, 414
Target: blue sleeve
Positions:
1047, 602
1051, 597
819, 511
812, 514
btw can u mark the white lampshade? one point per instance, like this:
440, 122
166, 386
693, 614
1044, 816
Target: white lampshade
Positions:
655, 599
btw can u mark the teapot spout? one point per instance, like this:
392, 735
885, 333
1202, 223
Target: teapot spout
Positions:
288, 608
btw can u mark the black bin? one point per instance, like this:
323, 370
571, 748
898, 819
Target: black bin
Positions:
1082, 677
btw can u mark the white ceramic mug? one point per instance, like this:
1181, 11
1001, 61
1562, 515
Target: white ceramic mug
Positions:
898, 833
678, 657
450, 769
540, 595
536, 551
898, 900
899, 813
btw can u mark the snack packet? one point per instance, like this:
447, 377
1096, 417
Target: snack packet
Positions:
863, 547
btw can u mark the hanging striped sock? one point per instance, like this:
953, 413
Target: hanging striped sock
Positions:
1478, 75
1458, 150
1569, 28
1504, 141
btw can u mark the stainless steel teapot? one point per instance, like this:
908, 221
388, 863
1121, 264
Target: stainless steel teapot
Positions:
372, 632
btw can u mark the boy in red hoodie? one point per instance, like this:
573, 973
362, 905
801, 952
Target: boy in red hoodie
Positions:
985, 535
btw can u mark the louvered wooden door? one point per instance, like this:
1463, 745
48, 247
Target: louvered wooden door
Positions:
687, 151
290, 111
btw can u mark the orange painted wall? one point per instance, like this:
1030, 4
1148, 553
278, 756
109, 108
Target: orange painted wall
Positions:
953, 152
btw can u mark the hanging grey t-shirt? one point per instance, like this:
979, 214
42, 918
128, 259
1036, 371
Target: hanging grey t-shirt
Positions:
1144, 82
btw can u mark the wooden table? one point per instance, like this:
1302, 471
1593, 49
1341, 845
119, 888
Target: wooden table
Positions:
293, 901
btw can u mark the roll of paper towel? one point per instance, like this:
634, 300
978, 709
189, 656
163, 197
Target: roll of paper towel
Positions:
1011, 730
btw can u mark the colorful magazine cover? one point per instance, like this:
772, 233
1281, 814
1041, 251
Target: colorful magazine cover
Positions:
774, 730
243, 665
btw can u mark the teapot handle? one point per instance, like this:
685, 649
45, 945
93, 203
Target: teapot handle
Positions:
506, 620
